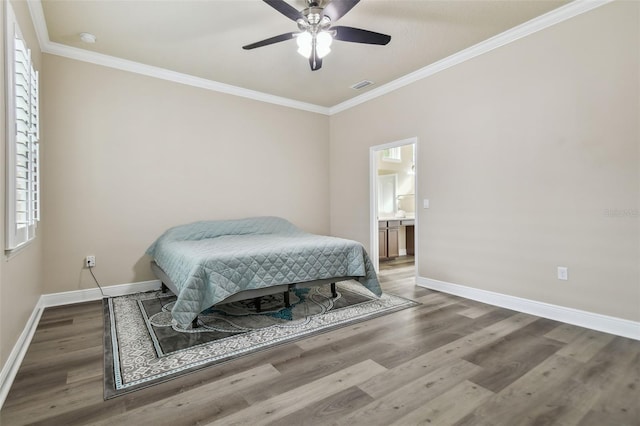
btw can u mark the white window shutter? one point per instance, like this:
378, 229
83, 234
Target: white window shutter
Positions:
23, 168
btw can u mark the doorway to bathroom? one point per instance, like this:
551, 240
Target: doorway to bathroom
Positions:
393, 208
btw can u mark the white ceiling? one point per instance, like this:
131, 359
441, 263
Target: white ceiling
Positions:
204, 38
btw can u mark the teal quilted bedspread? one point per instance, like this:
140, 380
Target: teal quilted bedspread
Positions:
211, 260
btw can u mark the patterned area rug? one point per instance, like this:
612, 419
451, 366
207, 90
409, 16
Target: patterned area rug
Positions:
143, 348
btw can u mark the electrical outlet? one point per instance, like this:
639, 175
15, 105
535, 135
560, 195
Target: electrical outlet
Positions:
563, 273
90, 261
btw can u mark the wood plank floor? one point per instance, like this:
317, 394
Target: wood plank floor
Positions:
450, 361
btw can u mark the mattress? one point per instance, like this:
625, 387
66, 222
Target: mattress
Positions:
209, 261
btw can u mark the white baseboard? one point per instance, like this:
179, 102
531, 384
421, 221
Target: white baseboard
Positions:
90, 294
599, 322
10, 368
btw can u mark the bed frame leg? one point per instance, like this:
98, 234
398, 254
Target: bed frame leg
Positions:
164, 288
334, 294
194, 323
287, 302
256, 302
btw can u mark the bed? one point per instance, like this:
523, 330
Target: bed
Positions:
213, 262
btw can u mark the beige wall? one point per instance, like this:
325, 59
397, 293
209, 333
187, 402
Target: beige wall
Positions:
528, 154
21, 273
128, 156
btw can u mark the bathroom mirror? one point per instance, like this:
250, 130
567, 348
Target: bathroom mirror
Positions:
387, 189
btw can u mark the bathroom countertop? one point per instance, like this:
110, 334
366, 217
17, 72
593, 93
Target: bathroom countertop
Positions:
408, 217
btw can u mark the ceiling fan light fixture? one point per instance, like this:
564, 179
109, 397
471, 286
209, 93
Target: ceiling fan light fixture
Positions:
305, 44
316, 32
323, 44
320, 41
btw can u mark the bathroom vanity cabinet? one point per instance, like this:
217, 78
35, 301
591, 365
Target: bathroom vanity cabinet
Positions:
389, 237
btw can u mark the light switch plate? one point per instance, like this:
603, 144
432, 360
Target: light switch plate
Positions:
563, 273
425, 203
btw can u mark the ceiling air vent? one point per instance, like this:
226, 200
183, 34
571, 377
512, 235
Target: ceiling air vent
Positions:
362, 84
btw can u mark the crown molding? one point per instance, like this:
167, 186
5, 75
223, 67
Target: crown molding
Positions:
549, 19
47, 46
177, 77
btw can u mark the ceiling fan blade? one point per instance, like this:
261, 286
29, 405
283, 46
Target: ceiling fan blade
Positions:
268, 41
285, 8
357, 35
338, 8
314, 61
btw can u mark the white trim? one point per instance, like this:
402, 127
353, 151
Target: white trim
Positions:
47, 46
373, 196
549, 19
539, 23
176, 77
374, 251
91, 294
11, 366
39, 22
599, 322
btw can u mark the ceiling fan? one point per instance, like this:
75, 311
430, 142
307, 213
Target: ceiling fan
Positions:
316, 33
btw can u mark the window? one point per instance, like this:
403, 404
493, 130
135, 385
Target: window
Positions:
22, 160
392, 154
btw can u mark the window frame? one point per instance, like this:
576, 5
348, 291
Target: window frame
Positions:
26, 193
392, 155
